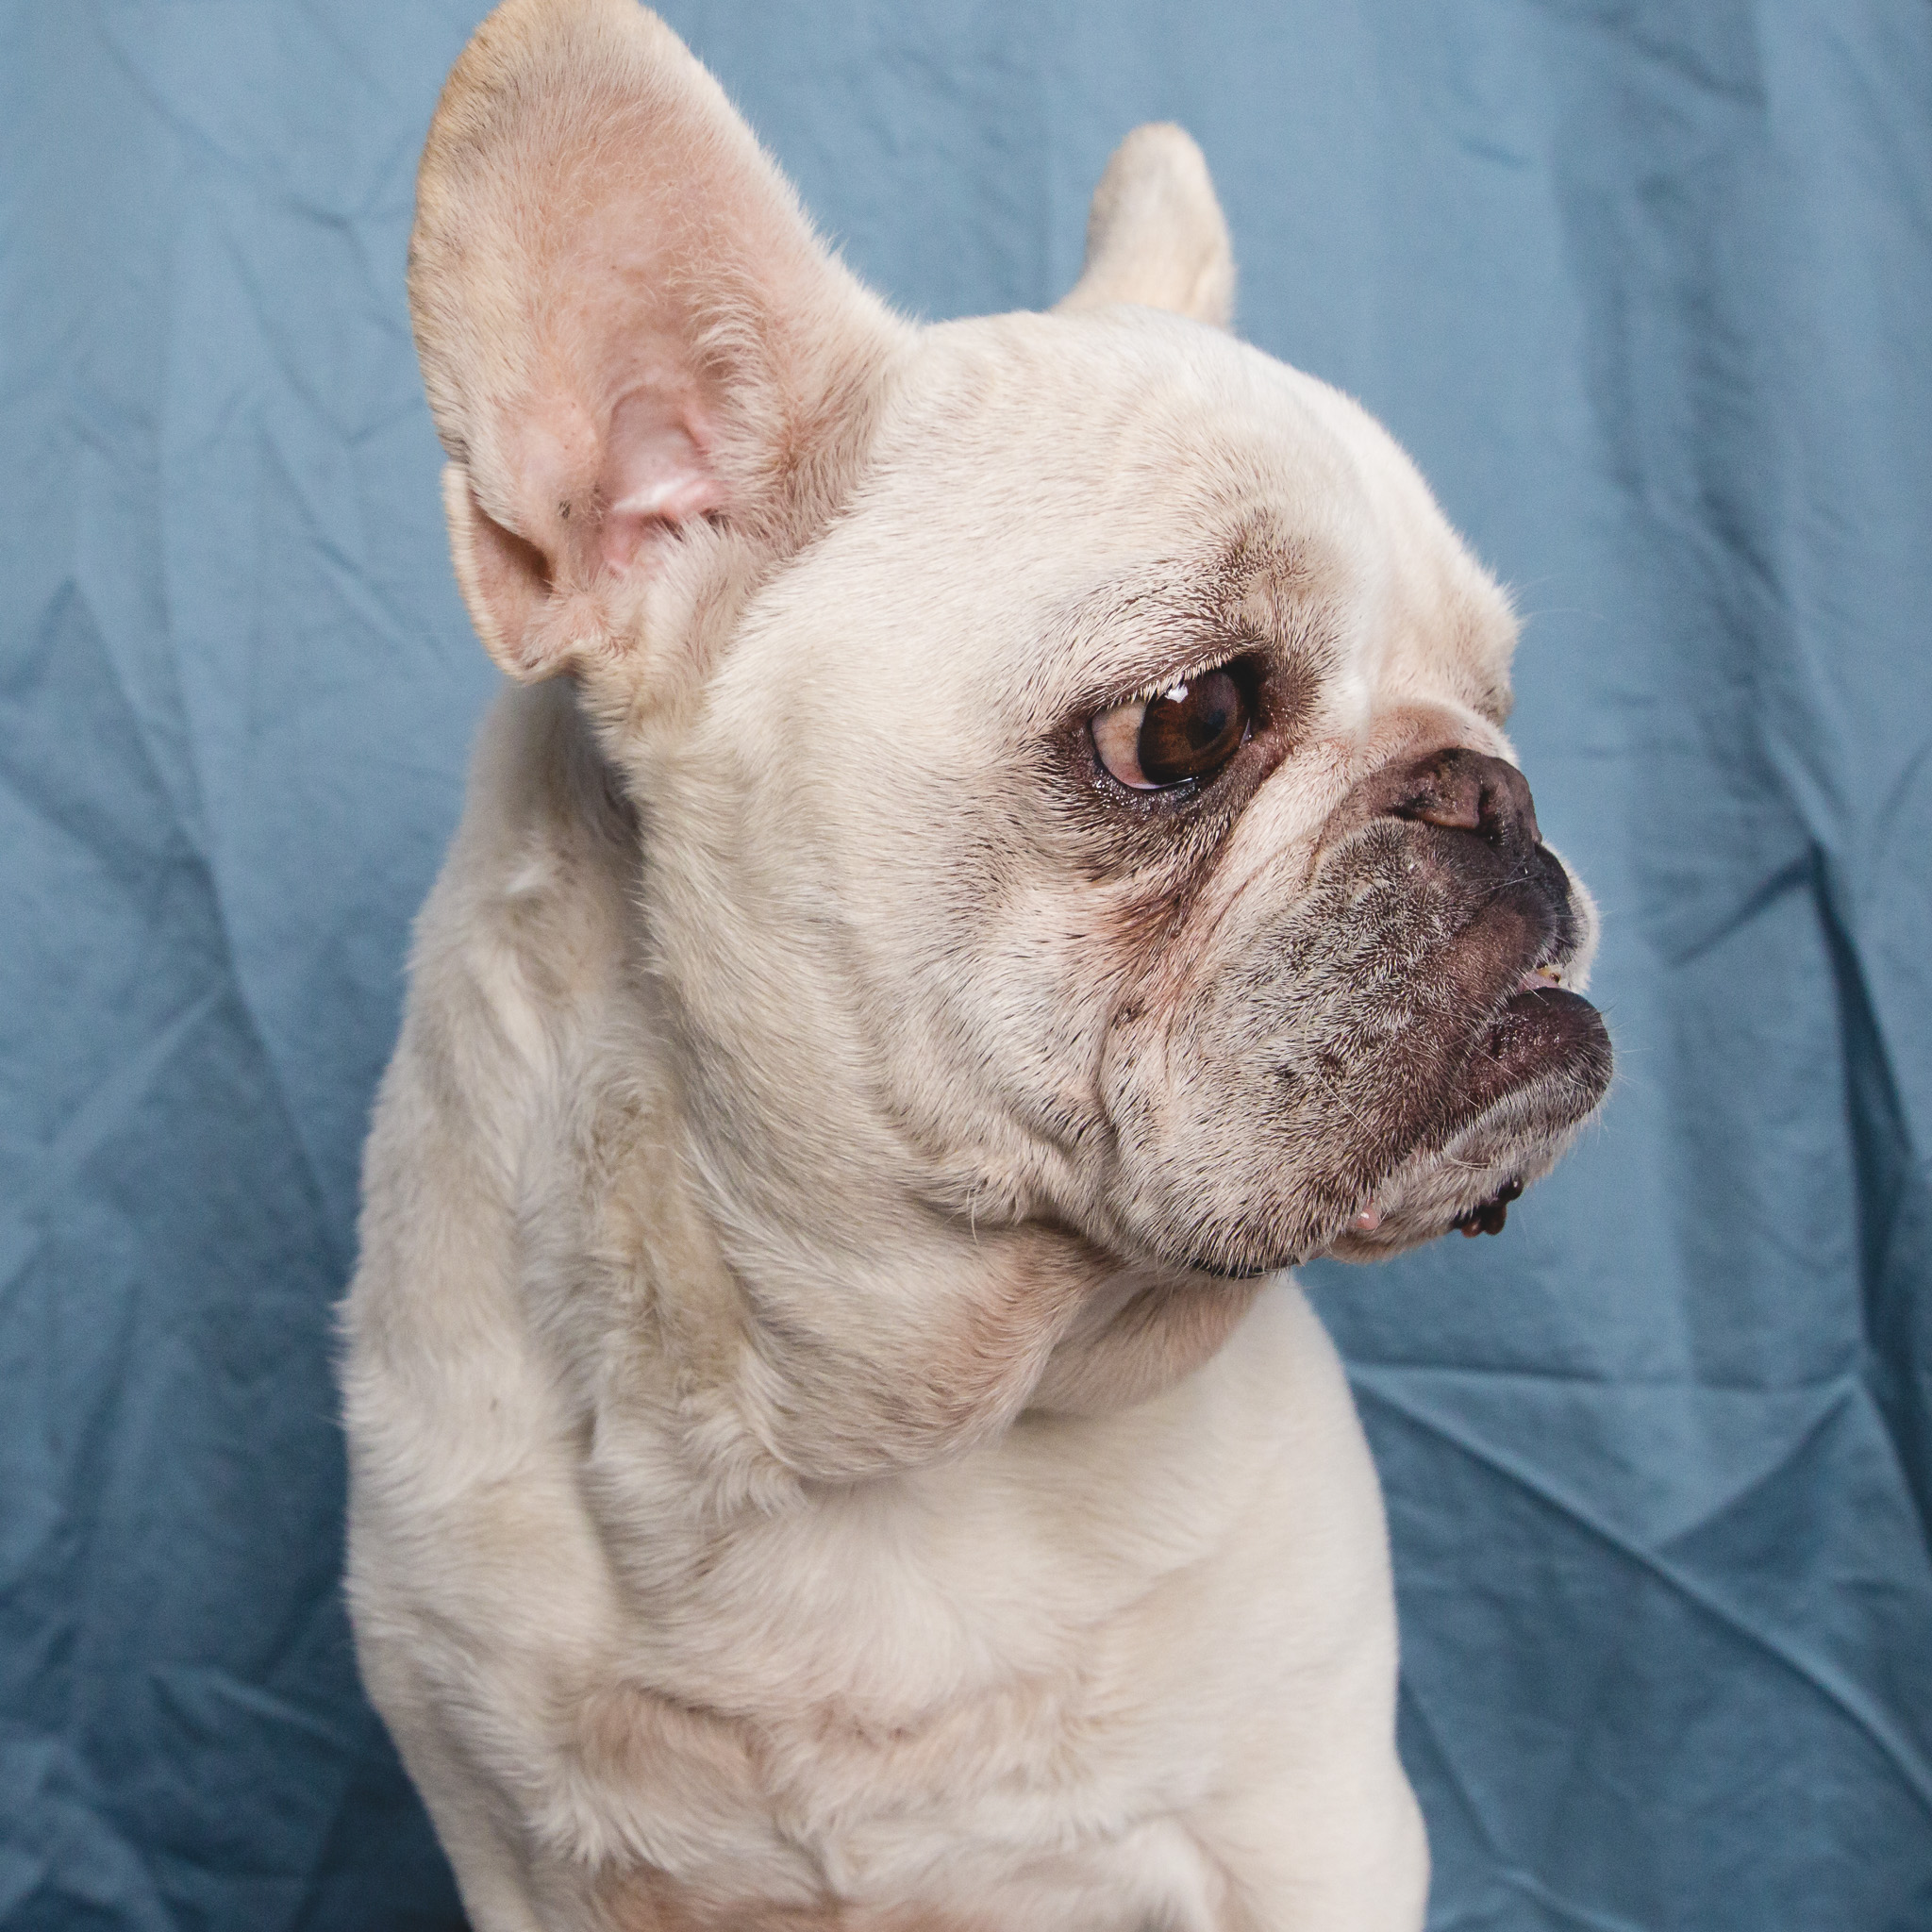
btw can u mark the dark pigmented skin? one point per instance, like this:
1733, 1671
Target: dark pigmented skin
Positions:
1389, 1014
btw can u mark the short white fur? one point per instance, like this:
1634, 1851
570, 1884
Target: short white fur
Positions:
768, 1509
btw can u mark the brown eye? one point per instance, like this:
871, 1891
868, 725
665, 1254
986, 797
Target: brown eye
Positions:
1189, 731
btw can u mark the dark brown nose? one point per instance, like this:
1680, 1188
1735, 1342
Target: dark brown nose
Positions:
1464, 791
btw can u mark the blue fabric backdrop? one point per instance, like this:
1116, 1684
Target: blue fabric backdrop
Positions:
1646, 287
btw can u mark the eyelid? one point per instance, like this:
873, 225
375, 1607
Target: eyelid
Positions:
1187, 674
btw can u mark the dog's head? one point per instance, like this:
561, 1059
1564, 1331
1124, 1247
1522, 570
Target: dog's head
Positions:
1068, 750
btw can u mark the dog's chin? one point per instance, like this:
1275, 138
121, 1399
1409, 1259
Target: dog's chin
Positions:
1541, 1071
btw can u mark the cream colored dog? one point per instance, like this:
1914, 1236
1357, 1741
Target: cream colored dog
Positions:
1018, 850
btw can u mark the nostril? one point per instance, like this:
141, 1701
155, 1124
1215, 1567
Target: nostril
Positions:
1470, 791
1453, 815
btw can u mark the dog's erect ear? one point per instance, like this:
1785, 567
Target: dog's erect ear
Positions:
1156, 234
627, 327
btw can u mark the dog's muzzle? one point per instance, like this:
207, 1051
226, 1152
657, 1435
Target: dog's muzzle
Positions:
1475, 825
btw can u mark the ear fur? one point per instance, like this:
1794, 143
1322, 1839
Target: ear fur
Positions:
626, 327
1156, 234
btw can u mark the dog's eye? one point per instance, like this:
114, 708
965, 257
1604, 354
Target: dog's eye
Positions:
1190, 731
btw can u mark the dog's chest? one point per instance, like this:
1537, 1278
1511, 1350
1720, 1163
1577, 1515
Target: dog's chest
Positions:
983, 1716
1036, 1652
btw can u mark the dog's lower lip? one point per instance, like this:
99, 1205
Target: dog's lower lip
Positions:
1538, 1006
1544, 1031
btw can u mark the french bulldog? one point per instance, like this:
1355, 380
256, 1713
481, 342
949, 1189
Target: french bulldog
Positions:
999, 843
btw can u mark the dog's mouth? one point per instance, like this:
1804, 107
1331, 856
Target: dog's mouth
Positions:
1542, 1027
1539, 1070
1410, 1054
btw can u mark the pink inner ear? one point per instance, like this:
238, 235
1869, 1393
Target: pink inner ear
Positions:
657, 470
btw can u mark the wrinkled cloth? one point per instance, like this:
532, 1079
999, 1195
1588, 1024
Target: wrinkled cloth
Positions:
1647, 290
